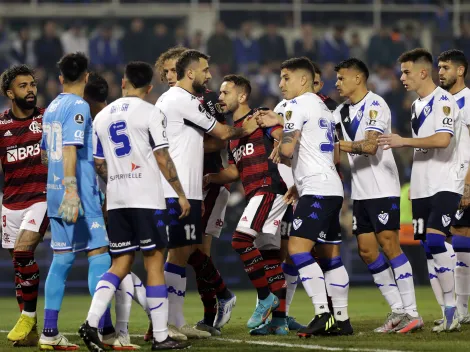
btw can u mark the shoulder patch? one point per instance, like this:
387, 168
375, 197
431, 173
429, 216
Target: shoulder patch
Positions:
79, 119
446, 110
288, 115
373, 114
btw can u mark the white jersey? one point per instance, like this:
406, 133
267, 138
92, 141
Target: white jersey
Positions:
187, 121
373, 176
126, 133
439, 169
284, 170
463, 101
312, 162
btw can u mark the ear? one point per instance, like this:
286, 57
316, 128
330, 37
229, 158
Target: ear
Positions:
10, 94
460, 71
190, 74
61, 79
86, 77
123, 83
149, 89
303, 80
241, 97
321, 85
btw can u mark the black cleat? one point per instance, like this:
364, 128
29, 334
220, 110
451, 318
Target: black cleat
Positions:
322, 324
344, 328
169, 344
90, 337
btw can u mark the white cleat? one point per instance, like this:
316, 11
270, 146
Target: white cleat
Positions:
391, 322
439, 321
224, 311
464, 319
174, 333
59, 343
120, 342
451, 321
192, 333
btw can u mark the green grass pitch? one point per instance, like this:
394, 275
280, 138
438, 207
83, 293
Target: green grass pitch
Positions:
367, 310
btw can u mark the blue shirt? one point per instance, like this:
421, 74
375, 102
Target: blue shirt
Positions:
67, 121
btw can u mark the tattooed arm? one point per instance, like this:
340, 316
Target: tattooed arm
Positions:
101, 168
368, 145
288, 143
44, 158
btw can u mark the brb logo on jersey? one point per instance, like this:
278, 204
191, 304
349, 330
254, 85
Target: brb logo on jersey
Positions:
22, 153
243, 150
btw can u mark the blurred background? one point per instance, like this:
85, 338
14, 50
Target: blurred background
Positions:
251, 37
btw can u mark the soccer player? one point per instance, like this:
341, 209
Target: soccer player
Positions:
453, 66
126, 133
24, 218
264, 189
217, 300
73, 203
376, 194
437, 180
308, 139
187, 122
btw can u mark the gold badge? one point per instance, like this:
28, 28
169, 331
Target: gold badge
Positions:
446, 110
288, 115
373, 114
218, 108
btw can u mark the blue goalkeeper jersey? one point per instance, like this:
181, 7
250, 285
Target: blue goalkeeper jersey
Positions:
67, 121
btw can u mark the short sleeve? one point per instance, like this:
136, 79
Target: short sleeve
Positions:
377, 117
294, 117
157, 130
97, 147
445, 114
75, 122
202, 118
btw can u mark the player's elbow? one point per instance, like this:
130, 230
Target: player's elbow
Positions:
161, 156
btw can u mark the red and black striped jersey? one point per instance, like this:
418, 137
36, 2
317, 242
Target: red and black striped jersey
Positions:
210, 100
330, 103
250, 155
20, 155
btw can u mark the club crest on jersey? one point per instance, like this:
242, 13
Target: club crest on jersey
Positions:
446, 220
218, 108
288, 115
35, 127
79, 119
373, 114
383, 218
427, 110
359, 115
297, 223
446, 110
459, 214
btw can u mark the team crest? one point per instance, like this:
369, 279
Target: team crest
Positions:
459, 214
383, 218
79, 119
373, 114
446, 110
288, 116
218, 108
446, 220
297, 223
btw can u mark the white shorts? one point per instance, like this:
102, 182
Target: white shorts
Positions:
215, 204
263, 214
13, 221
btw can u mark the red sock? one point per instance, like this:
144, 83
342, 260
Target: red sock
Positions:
205, 270
253, 262
28, 271
276, 279
19, 293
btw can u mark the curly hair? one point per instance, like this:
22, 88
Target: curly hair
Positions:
170, 54
9, 75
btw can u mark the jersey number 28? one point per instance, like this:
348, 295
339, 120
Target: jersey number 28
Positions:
118, 135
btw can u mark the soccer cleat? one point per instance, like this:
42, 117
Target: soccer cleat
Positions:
451, 321
262, 311
169, 344
205, 327
293, 324
175, 334
23, 327
464, 319
192, 333
277, 326
322, 324
90, 337
148, 336
408, 324
224, 311
120, 342
58, 343
392, 320
30, 341
344, 328
439, 321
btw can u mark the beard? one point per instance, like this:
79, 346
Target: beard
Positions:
448, 84
199, 88
23, 104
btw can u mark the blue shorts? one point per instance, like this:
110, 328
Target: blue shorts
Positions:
85, 235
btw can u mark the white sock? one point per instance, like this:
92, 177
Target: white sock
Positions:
451, 251
462, 272
175, 278
444, 268
314, 284
29, 314
124, 296
157, 302
105, 290
337, 285
292, 275
384, 280
404, 279
435, 285
139, 293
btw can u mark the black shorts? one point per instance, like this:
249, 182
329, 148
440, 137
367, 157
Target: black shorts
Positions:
317, 218
286, 223
461, 218
434, 212
376, 215
186, 231
131, 229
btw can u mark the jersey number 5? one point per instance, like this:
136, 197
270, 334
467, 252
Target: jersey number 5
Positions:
118, 135
329, 146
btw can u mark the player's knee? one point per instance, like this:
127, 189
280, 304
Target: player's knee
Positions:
368, 254
179, 256
391, 248
240, 241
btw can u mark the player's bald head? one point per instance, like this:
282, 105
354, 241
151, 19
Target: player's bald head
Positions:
419, 57
300, 65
